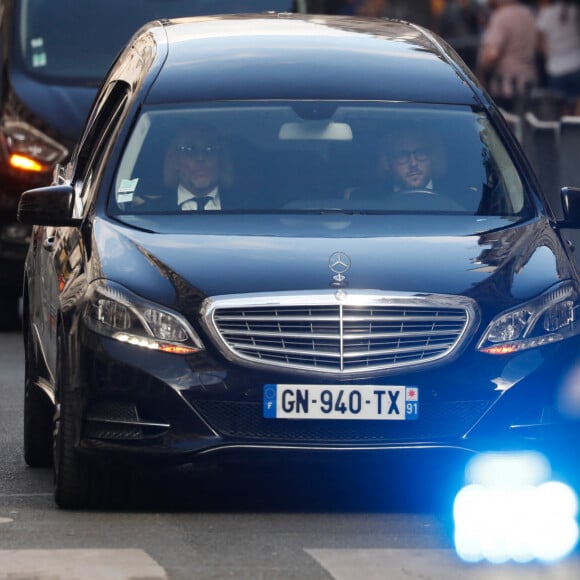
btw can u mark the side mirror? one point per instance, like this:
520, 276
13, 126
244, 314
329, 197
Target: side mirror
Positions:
571, 205
48, 206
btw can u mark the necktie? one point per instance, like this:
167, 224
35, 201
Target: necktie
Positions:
201, 202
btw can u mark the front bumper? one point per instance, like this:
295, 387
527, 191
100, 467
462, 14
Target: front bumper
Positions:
147, 406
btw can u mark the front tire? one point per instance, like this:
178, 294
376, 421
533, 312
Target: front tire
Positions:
38, 412
78, 481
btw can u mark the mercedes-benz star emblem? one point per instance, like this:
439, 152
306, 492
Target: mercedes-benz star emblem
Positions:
339, 263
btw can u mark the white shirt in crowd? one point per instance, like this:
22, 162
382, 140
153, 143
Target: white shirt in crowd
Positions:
562, 38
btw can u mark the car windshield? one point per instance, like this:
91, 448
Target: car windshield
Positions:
318, 156
58, 39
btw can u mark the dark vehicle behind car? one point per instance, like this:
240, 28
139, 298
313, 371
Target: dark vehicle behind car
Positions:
54, 55
319, 306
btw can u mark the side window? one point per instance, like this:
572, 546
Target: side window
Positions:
103, 121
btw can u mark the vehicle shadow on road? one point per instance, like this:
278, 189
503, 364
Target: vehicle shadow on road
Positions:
351, 487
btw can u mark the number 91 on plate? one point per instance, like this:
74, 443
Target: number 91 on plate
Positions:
391, 403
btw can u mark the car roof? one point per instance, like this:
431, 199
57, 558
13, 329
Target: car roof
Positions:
295, 56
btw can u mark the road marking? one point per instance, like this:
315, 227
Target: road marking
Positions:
79, 565
378, 564
6, 520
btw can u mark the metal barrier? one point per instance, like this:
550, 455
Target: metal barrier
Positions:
541, 143
551, 143
569, 151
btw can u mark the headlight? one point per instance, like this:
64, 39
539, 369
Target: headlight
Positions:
117, 313
31, 150
549, 318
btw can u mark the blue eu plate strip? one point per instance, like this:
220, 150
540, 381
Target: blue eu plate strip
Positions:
270, 392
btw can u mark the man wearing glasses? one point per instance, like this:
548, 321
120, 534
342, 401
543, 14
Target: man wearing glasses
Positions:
406, 163
406, 158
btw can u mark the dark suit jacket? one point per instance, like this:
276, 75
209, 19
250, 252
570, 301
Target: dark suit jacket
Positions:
382, 196
166, 201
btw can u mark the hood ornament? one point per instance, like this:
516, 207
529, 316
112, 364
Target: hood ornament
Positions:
339, 264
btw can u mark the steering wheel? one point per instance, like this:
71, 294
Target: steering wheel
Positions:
418, 190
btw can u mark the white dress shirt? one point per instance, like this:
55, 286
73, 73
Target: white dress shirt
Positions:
428, 186
186, 199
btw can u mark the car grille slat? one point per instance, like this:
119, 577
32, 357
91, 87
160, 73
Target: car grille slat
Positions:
351, 337
335, 337
291, 335
287, 351
354, 354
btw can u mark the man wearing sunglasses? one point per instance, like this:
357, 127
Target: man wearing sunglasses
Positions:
198, 158
196, 173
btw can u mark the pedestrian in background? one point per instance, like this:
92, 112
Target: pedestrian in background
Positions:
558, 24
507, 54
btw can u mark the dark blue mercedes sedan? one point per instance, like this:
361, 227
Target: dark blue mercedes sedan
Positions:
281, 234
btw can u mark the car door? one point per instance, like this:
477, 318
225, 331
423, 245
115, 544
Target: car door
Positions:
62, 251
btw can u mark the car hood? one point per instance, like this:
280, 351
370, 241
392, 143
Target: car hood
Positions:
500, 267
63, 108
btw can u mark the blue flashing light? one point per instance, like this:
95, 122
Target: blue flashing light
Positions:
510, 510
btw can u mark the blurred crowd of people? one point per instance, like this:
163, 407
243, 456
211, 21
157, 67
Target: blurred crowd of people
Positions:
513, 46
522, 46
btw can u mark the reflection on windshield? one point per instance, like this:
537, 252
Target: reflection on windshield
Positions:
318, 157
78, 39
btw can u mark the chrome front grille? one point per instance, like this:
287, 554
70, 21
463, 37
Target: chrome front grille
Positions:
338, 332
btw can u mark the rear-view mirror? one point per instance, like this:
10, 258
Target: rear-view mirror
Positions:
315, 130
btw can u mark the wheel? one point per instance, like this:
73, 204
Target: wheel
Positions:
38, 415
78, 481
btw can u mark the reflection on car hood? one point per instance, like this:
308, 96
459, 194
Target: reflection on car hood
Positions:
499, 267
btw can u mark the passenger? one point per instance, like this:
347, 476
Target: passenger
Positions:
196, 173
198, 160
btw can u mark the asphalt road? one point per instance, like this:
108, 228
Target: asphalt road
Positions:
340, 522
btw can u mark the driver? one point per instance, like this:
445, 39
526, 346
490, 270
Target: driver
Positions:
406, 156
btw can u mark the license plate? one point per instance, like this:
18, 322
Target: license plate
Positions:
392, 403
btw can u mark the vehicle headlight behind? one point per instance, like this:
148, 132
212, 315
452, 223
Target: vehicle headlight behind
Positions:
549, 318
115, 312
31, 150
